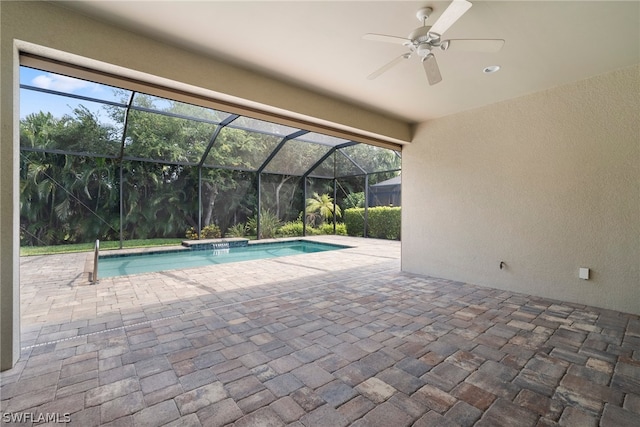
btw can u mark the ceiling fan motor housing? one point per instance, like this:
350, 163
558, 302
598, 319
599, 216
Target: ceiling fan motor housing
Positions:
423, 35
422, 41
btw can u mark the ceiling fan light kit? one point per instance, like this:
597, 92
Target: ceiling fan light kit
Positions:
423, 40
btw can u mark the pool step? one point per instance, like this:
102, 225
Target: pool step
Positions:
225, 243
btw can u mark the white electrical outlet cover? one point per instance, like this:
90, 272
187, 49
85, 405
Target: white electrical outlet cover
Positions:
583, 273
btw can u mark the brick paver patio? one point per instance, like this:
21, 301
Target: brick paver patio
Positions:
328, 339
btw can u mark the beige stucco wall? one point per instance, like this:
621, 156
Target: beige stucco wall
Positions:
9, 245
547, 183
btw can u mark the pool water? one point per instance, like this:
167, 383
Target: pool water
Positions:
119, 265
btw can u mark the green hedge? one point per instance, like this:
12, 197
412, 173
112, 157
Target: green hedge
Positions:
294, 229
341, 229
354, 220
384, 222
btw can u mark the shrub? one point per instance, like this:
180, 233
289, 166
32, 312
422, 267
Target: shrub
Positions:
191, 234
269, 224
354, 221
383, 222
341, 229
238, 230
293, 229
211, 231
354, 200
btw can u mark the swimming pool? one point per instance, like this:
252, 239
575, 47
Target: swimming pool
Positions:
110, 265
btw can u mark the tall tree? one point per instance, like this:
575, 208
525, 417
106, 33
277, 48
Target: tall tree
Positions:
64, 198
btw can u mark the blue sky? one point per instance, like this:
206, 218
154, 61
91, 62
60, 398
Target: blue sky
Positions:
31, 101
59, 105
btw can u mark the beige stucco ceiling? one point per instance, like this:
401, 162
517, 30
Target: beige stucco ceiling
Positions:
319, 45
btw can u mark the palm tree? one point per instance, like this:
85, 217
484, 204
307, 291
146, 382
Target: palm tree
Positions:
321, 206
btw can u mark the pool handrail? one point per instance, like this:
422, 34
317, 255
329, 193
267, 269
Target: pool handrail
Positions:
96, 253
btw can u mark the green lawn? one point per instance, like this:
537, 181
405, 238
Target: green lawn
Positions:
104, 246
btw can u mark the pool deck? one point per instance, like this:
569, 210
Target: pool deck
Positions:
326, 339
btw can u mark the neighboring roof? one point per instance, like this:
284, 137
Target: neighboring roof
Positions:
397, 180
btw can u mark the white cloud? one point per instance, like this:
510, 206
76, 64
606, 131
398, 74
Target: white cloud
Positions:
61, 83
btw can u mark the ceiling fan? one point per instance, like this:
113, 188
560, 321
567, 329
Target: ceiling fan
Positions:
427, 38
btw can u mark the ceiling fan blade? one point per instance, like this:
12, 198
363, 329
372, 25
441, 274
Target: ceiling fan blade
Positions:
385, 38
475, 45
431, 68
456, 9
388, 66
